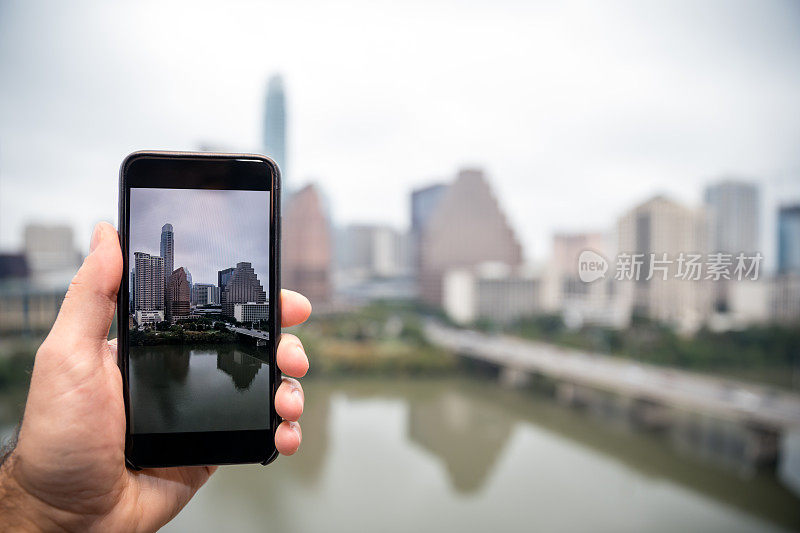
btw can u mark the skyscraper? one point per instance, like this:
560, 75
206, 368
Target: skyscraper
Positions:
223, 276
467, 228
733, 216
167, 253
789, 239
306, 247
661, 226
275, 125
423, 205
148, 282
179, 295
205, 294
242, 287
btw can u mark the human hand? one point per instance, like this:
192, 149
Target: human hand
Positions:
68, 469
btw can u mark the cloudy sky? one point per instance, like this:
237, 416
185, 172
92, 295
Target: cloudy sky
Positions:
213, 230
577, 110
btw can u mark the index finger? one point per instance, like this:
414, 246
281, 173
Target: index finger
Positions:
295, 308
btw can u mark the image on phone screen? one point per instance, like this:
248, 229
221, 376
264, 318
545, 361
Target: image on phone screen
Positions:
199, 308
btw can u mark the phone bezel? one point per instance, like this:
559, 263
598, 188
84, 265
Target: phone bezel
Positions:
200, 170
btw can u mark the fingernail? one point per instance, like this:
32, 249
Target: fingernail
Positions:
95, 238
298, 348
296, 428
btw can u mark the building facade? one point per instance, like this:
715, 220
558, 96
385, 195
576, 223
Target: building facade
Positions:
179, 295
50, 250
492, 292
423, 204
466, 228
242, 287
306, 247
374, 251
789, 239
733, 216
149, 317
167, 249
580, 302
733, 213
661, 226
148, 282
251, 311
785, 299
205, 294
275, 126
222, 278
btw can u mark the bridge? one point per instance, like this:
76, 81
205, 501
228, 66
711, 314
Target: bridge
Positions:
261, 337
654, 393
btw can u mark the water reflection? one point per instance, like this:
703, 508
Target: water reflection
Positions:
461, 455
468, 436
200, 388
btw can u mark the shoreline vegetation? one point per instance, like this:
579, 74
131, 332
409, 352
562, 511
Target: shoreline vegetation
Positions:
387, 338
187, 331
768, 354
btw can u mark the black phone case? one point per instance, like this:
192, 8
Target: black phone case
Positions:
275, 281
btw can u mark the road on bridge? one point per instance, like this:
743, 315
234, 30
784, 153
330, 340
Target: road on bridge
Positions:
744, 402
258, 334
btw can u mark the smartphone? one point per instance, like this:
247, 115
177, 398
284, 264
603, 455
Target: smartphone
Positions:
198, 311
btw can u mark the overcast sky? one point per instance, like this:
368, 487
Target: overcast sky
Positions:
213, 230
577, 110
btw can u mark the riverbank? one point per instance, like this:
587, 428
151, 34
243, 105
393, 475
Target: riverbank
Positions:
380, 339
178, 335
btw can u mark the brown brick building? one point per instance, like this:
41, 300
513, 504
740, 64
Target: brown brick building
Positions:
306, 246
179, 295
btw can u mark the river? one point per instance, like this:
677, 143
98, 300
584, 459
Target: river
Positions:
460, 454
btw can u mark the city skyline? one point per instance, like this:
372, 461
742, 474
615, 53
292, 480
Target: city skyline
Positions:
212, 230
639, 115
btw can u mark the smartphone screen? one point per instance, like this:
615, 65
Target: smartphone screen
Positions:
200, 328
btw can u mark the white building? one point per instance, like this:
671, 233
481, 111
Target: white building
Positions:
583, 302
251, 311
374, 251
491, 291
785, 299
148, 282
748, 302
661, 226
149, 317
50, 252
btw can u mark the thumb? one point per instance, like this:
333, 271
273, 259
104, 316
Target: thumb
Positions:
88, 307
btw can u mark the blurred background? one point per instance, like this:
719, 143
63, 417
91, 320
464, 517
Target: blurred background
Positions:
493, 207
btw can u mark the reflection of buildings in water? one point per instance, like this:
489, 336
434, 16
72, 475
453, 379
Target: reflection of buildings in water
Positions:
239, 366
309, 465
177, 365
159, 371
465, 434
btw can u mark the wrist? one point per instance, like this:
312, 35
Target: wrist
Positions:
19, 510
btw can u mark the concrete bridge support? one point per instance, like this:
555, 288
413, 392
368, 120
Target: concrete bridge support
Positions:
650, 415
514, 378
